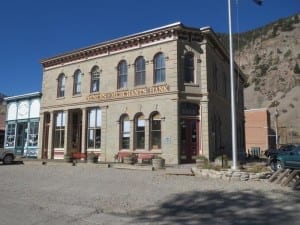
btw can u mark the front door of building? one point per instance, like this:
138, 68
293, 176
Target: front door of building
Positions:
21, 138
189, 140
76, 131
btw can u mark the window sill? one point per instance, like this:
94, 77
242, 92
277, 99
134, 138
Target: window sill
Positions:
76, 96
191, 84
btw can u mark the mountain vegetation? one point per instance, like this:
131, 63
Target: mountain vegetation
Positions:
270, 57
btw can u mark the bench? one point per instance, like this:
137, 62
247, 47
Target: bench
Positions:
78, 156
120, 155
144, 156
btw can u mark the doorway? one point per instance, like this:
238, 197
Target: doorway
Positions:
189, 140
76, 127
21, 138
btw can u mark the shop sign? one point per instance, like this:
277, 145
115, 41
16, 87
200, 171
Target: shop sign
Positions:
129, 93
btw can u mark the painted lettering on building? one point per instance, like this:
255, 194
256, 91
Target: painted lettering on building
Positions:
129, 93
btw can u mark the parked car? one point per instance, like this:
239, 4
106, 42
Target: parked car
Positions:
287, 159
271, 154
7, 156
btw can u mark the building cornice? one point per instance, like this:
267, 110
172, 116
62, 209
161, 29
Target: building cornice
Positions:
169, 32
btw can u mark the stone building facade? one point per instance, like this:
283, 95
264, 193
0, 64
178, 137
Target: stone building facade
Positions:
164, 92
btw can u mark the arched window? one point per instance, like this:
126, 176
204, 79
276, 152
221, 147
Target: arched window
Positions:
140, 71
155, 131
139, 132
61, 82
122, 74
77, 82
159, 68
125, 132
189, 68
94, 128
95, 79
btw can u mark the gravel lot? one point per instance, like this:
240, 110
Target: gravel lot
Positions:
34, 194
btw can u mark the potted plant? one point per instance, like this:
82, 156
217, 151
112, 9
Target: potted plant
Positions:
92, 157
129, 159
201, 161
68, 157
158, 162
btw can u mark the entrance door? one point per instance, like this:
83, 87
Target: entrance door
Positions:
21, 138
189, 140
76, 131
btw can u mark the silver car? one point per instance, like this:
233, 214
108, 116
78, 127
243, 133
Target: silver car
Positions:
7, 156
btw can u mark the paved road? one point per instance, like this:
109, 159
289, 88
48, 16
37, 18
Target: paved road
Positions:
33, 194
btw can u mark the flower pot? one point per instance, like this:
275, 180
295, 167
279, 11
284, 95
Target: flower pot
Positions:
128, 160
201, 162
158, 163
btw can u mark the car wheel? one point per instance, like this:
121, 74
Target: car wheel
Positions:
8, 159
279, 165
273, 165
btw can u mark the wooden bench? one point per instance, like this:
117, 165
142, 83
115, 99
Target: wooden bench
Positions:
144, 157
121, 155
79, 155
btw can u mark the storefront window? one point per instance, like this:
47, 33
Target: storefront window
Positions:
94, 128
59, 135
33, 134
125, 132
11, 135
140, 132
155, 131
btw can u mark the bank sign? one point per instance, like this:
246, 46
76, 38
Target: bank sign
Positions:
128, 93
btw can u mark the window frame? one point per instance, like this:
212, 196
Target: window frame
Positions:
95, 77
33, 134
59, 129
155, 132
140, 71
61, 85
159, 68
95, 129
122, 74
189, 67
124, 134
139, 131
77, 82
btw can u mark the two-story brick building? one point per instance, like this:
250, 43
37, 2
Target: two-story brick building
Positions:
163, 91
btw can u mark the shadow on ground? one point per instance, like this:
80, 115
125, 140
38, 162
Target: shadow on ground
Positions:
218, 207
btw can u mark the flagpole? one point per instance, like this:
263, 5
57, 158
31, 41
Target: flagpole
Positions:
232, 94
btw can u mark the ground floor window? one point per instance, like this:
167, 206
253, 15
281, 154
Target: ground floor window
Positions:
155, 131
59, 130
10, 135
94, 128
33, 134
140, 132
125, 132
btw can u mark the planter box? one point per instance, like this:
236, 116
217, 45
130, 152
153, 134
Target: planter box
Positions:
158, 163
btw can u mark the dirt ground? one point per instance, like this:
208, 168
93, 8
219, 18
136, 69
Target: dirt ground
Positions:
36, 194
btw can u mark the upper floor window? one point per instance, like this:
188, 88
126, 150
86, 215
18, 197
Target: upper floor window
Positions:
159, 68
95, 79
140, 71
61, 82
77, 82
189, 68
122, 74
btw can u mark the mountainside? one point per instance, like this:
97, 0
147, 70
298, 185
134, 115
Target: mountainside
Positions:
270, 57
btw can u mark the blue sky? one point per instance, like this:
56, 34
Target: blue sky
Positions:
32, 30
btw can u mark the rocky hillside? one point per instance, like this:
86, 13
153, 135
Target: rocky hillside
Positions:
270, 57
